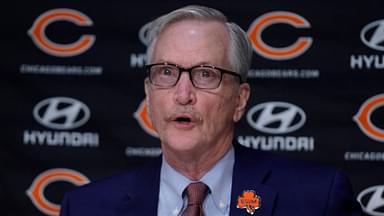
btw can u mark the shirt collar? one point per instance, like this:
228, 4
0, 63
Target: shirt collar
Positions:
175, 182
218, 179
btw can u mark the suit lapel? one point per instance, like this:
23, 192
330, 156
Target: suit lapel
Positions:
250, 173
143, 192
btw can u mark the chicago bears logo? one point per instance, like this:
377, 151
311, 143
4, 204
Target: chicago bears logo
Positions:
36, 191
364, 118
142, 117
279, 53
39, 37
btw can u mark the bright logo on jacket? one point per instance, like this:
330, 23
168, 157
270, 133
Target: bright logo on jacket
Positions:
364, 117
250, 201
37, 190
39, 37
267, 20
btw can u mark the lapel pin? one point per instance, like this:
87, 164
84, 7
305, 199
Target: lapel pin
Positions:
249, 200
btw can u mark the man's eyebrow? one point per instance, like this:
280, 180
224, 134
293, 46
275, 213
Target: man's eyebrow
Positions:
165, 61
179, 65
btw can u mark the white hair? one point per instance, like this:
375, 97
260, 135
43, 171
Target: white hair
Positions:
240, 50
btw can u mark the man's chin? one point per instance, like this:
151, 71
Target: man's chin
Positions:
181, 146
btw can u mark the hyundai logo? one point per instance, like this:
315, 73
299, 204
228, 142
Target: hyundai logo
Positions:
372, 35
372, 201
143, 34
61, 113
276, 117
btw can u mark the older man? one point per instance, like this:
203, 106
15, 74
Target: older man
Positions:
196, 91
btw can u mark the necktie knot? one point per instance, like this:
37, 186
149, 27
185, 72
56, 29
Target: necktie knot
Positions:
196, 193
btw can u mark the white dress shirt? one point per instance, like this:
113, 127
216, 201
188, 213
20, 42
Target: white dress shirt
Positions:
218, 179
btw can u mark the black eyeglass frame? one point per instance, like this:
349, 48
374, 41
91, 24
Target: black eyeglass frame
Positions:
189, 70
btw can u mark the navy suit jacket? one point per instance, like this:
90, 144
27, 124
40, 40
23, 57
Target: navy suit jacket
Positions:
286, 187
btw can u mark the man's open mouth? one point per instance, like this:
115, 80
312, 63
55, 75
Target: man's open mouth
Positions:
183, 119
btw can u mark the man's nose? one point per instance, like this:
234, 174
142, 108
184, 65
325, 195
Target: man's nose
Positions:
185, 91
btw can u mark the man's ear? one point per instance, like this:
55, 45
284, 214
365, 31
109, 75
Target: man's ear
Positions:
244, 94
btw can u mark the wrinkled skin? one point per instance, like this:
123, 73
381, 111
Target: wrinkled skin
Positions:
194, 146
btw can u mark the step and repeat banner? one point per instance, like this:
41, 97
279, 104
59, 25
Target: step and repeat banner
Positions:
72, 93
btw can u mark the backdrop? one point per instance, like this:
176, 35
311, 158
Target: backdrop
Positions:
72, 90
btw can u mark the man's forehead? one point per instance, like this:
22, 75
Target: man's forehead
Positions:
196, 40
194, 22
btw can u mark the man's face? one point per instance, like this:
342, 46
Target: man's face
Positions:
187, 119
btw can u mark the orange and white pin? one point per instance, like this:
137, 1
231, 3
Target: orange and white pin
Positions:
249, 200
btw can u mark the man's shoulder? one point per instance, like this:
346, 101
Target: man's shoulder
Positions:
281, 165
119, 184
109, 184
298, 185
114, 195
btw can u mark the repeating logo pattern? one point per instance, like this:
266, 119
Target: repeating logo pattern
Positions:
144, 120
39, 184
276, 117
61, 113
39, 36
279, 53
143, 34
364, 117
372, 201
372, 35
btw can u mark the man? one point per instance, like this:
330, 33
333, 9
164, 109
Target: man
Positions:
196, 91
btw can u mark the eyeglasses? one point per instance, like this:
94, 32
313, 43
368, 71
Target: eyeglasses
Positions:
167, 75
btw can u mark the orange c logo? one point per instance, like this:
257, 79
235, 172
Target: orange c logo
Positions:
36, 191
363, 117
142, 117
283, 53
37, 32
